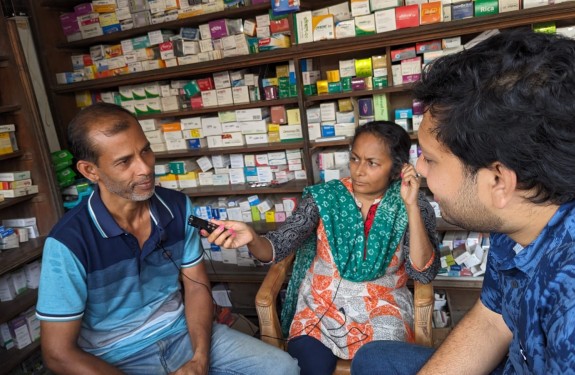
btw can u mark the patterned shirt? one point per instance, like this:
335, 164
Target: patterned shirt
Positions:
343, 314
534, 290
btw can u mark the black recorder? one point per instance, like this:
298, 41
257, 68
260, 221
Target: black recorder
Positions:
199, 223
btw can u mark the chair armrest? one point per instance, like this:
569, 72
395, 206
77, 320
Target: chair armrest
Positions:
266, 306
423, 300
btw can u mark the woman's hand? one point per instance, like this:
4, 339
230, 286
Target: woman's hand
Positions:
230, 234
409, 185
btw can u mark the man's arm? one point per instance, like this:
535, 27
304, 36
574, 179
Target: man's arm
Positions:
63, 356
199, 317
476, 345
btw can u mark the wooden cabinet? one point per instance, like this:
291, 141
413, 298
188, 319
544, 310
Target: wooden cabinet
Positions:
55, 54
18, 106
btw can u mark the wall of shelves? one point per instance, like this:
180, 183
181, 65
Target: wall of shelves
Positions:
18, 106
55, 54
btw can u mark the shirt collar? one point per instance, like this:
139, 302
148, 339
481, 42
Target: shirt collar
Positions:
527, 258
160, 214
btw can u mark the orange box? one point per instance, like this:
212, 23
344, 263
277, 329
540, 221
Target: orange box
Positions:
171, 127
121, 71
431, 12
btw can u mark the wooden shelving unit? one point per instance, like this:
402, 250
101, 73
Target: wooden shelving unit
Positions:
18, 106
55, 54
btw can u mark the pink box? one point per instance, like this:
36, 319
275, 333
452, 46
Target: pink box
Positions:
357, 84
69, 23
197, 102
218, 28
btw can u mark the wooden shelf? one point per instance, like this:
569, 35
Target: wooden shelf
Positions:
14, 258
242, 12
60, 4
219, 272
264, 147
314, 145
355, 94
291, 187
12, 201
562, 11
462, 282
196, 112
12, 155
14, 357
11, 309
9, 108
178, 72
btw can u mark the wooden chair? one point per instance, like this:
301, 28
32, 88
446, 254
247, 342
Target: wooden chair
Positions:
270, 328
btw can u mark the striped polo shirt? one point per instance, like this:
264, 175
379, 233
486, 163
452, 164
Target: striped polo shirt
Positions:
127, 297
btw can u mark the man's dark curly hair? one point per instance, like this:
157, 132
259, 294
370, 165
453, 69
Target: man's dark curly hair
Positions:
509, 99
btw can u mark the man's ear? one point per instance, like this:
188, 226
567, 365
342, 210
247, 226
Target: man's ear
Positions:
504, 184
88, 170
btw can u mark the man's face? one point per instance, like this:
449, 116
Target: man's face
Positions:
461, 197
125, 163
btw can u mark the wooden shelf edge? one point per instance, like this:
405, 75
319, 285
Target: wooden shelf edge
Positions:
12, 155
229, 150
462, 282
196, 112
198, 69
439, 30
240, 12
354, 94
7, 202
223, 272
14, 258
9, 108
14, 357
291, 187
10, 309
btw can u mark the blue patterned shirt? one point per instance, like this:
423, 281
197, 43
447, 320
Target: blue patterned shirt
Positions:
534, 289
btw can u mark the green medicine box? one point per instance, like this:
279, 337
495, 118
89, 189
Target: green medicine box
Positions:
379, 82
486, 7
346, 84
334, 87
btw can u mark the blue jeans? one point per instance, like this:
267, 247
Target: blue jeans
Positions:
390, 358
232, 353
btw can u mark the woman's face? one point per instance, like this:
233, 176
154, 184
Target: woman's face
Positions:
370, 166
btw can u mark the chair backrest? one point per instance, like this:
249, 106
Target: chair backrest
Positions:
270, 327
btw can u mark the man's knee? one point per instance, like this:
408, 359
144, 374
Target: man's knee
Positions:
389, 357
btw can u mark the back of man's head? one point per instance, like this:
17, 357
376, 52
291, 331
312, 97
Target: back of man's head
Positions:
509, 99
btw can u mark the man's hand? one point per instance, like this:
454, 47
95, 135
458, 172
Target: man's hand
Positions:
194, 367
